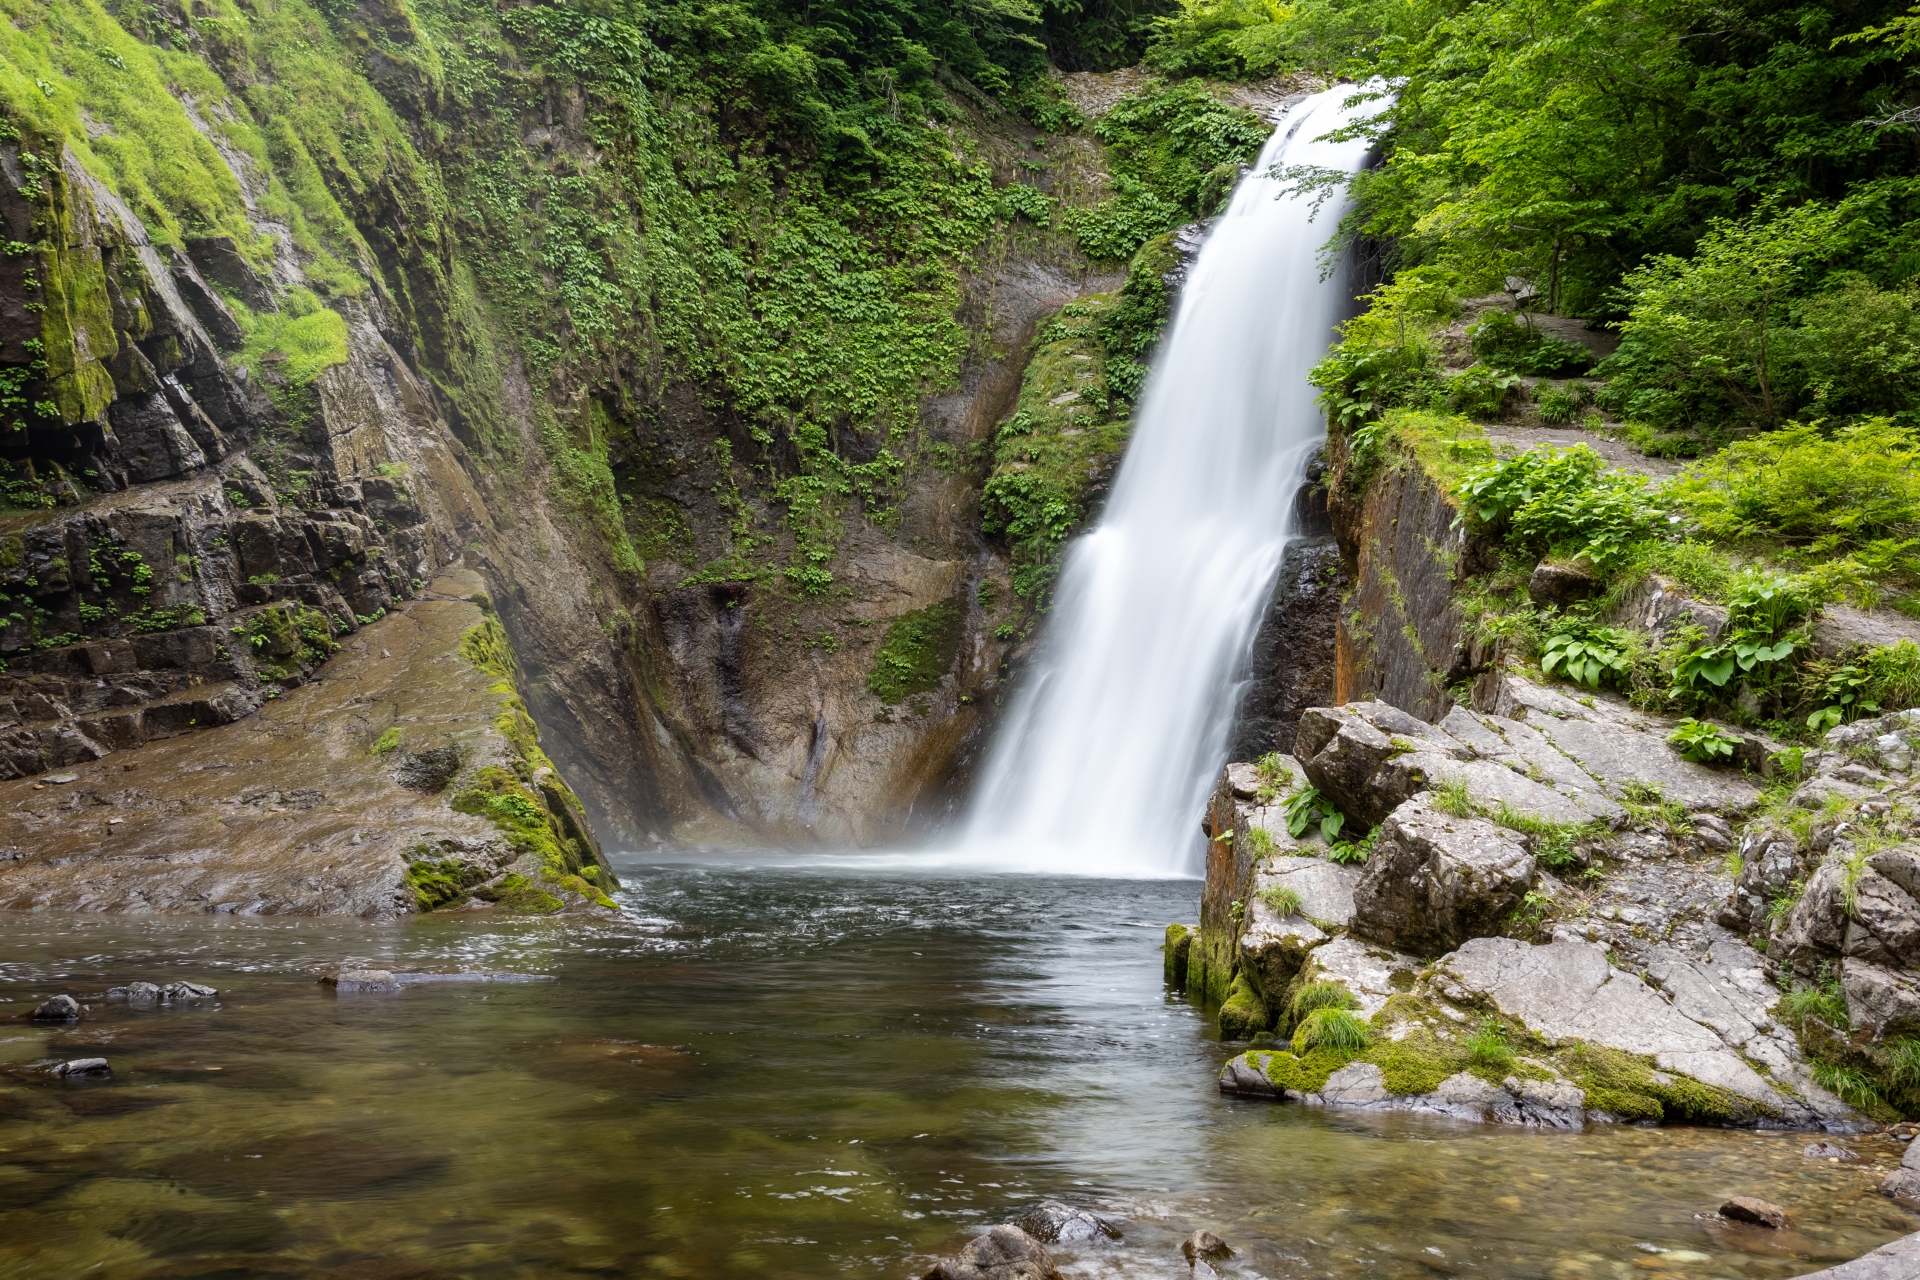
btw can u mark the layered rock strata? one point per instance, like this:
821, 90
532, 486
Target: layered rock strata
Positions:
1538, 933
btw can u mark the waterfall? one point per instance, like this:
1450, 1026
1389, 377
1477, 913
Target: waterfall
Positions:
1111, 746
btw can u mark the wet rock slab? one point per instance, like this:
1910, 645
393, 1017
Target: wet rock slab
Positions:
285, 811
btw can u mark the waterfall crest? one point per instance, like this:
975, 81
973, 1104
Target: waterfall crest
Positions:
1113, 741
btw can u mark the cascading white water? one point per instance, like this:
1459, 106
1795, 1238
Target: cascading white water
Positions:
1107, 755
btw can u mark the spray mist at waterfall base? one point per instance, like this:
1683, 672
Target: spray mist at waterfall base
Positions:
1120, 723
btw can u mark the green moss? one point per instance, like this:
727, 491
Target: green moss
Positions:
386, 742
1243, 1014
1304, 1073
291, 347
1417, 1062
518, 893
917, 652
1069, 419
442, 883
1177, 947
548, 820
1630, 1087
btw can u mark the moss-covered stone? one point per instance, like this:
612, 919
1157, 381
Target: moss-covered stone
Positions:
519, 893
1179, 943
1243, 1014
1303, 1073
917, 652
442, 883
529, 803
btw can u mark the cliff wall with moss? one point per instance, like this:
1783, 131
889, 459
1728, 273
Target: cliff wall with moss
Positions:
697, 332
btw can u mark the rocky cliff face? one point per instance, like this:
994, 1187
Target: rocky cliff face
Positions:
1471, 892
428, 285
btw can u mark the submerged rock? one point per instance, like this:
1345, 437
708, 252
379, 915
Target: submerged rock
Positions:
83, 1068
361, 980
1004, 1253
1761, 1213
58, 1009
1205, 1244
1057, 1223
1903, 1184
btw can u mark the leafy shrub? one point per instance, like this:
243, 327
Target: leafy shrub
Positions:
1506, 342
1548, 498
1708, 337
1353, 852
1843, 695
1831, 493
1480, 391
1309, 807
1857, 350
1557, 405
1356, 383
1585, 656
1754, 644
1167, 143
1330, 1029
1703, 743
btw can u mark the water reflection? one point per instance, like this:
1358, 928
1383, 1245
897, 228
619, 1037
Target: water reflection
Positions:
775, 1072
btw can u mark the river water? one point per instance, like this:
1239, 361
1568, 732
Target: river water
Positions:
781, 1071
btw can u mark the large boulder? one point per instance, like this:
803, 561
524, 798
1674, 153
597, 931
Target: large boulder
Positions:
1436, 880
1004, 1253
1325, 888
1273, 947
1340, 753
1818, 921
1770, 862
1884, 925
1568, 991
1880, 1000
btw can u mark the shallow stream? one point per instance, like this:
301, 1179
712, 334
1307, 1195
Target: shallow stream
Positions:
781, 1072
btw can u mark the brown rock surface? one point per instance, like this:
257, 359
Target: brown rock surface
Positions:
287, 810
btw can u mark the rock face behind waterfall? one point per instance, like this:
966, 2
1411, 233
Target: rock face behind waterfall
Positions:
1542, 932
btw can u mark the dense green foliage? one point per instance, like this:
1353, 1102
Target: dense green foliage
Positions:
1176, 154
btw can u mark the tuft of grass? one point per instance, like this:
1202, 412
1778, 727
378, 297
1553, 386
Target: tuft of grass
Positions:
1324, 994
1330, 1028
1647, 805
1824, 1001
1488, 1047
1451, 798
1849, 1084
1275, 777
1553, 843
1260, 842
1900, 1060
1285, 901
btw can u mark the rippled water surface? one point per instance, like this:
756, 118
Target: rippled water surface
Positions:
775, 1072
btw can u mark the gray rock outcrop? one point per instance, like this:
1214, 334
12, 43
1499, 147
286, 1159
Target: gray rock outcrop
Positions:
1436, 880
1898, 1260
